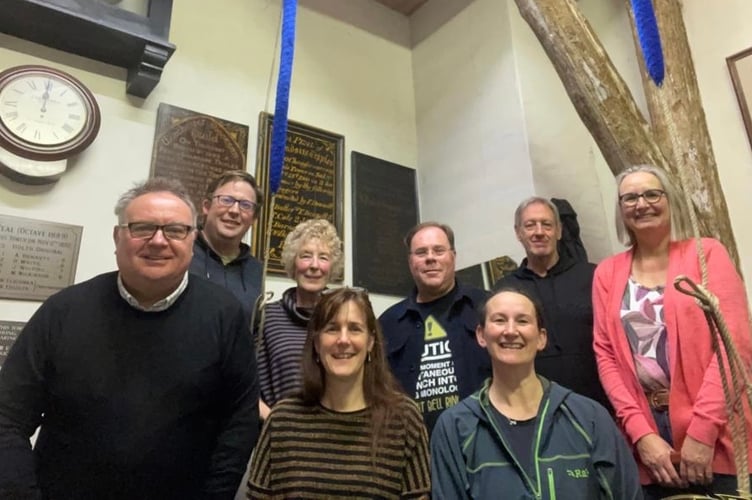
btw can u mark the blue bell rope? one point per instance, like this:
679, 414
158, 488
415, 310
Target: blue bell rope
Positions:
650, 39
279, 125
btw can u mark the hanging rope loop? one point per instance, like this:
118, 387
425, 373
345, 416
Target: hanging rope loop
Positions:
704, 297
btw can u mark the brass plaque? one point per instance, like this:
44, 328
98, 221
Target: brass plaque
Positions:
37, 258
196, 148
9, 331
311, 187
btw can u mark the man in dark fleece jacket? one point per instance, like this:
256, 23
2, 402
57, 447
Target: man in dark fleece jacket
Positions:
142, 381
230, 208
564, 288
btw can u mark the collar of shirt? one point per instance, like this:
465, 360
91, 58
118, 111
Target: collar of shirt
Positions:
158, 306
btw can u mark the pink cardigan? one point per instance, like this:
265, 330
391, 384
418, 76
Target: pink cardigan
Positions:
696, 403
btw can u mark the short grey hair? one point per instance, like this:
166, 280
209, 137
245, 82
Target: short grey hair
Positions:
319, 229
535, 200
681, 228
154, 185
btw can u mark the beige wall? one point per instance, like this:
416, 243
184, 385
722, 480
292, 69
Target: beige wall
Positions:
473, 159
716, 32
475, 106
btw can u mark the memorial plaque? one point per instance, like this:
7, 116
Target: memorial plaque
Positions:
472, 276
9, 331
196, 148
37, 258
311, 186
385, 207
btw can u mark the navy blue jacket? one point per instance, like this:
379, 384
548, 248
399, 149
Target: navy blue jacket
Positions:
242, 276
578, 453
403, 332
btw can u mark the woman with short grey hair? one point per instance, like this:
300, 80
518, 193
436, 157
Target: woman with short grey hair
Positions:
312, 256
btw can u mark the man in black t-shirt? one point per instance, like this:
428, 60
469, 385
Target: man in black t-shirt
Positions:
430, 335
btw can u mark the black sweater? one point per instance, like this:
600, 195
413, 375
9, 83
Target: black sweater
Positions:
131, 404
566, 295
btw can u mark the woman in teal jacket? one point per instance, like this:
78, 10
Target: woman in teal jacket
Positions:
521, 436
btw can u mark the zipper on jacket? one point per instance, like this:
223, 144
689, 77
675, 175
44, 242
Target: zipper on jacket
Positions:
551, 484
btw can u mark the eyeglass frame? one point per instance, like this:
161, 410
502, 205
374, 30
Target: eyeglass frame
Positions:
242, 204
437, 251
157, 227
644, 195
354, 289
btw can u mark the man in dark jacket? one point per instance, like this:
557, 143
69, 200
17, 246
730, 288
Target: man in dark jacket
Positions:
230, 208
430, 335
564, 287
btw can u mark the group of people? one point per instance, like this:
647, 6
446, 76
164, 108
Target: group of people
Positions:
567, 380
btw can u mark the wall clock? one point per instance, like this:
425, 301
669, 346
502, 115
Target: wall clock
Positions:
45, 114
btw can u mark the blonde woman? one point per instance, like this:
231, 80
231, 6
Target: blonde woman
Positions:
652, 345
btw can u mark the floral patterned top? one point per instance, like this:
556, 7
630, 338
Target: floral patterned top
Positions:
642, 317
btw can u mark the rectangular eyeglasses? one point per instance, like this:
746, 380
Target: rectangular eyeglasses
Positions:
147, 230
225, 200
651, 196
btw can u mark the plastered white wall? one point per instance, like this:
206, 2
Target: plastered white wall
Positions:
716, 32
473, 161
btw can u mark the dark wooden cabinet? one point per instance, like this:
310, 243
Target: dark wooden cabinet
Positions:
98, 31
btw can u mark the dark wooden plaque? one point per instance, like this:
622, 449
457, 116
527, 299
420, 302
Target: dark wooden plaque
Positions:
9, 331
385, 207
196, 148
311, 187
472, 276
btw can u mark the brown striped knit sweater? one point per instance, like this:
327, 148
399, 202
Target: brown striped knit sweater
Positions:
312, 452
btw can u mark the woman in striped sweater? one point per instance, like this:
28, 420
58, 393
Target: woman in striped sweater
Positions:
350, 433
311, 255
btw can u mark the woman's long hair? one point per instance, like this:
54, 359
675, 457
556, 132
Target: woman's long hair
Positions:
381, 390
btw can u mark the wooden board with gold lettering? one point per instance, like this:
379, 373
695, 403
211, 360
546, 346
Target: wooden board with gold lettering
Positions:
311, 187
196, 148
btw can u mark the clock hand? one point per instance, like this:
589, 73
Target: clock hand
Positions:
46, 95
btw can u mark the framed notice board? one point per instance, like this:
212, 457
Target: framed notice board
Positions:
385, 207
311, 187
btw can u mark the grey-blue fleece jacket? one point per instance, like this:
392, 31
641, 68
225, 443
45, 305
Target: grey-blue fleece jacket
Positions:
577, 450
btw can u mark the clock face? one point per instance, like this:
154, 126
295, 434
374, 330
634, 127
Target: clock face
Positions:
45, 114
42, 109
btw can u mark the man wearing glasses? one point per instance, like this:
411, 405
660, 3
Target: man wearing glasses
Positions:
230, 208
563, 286
142, 381
430, 336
